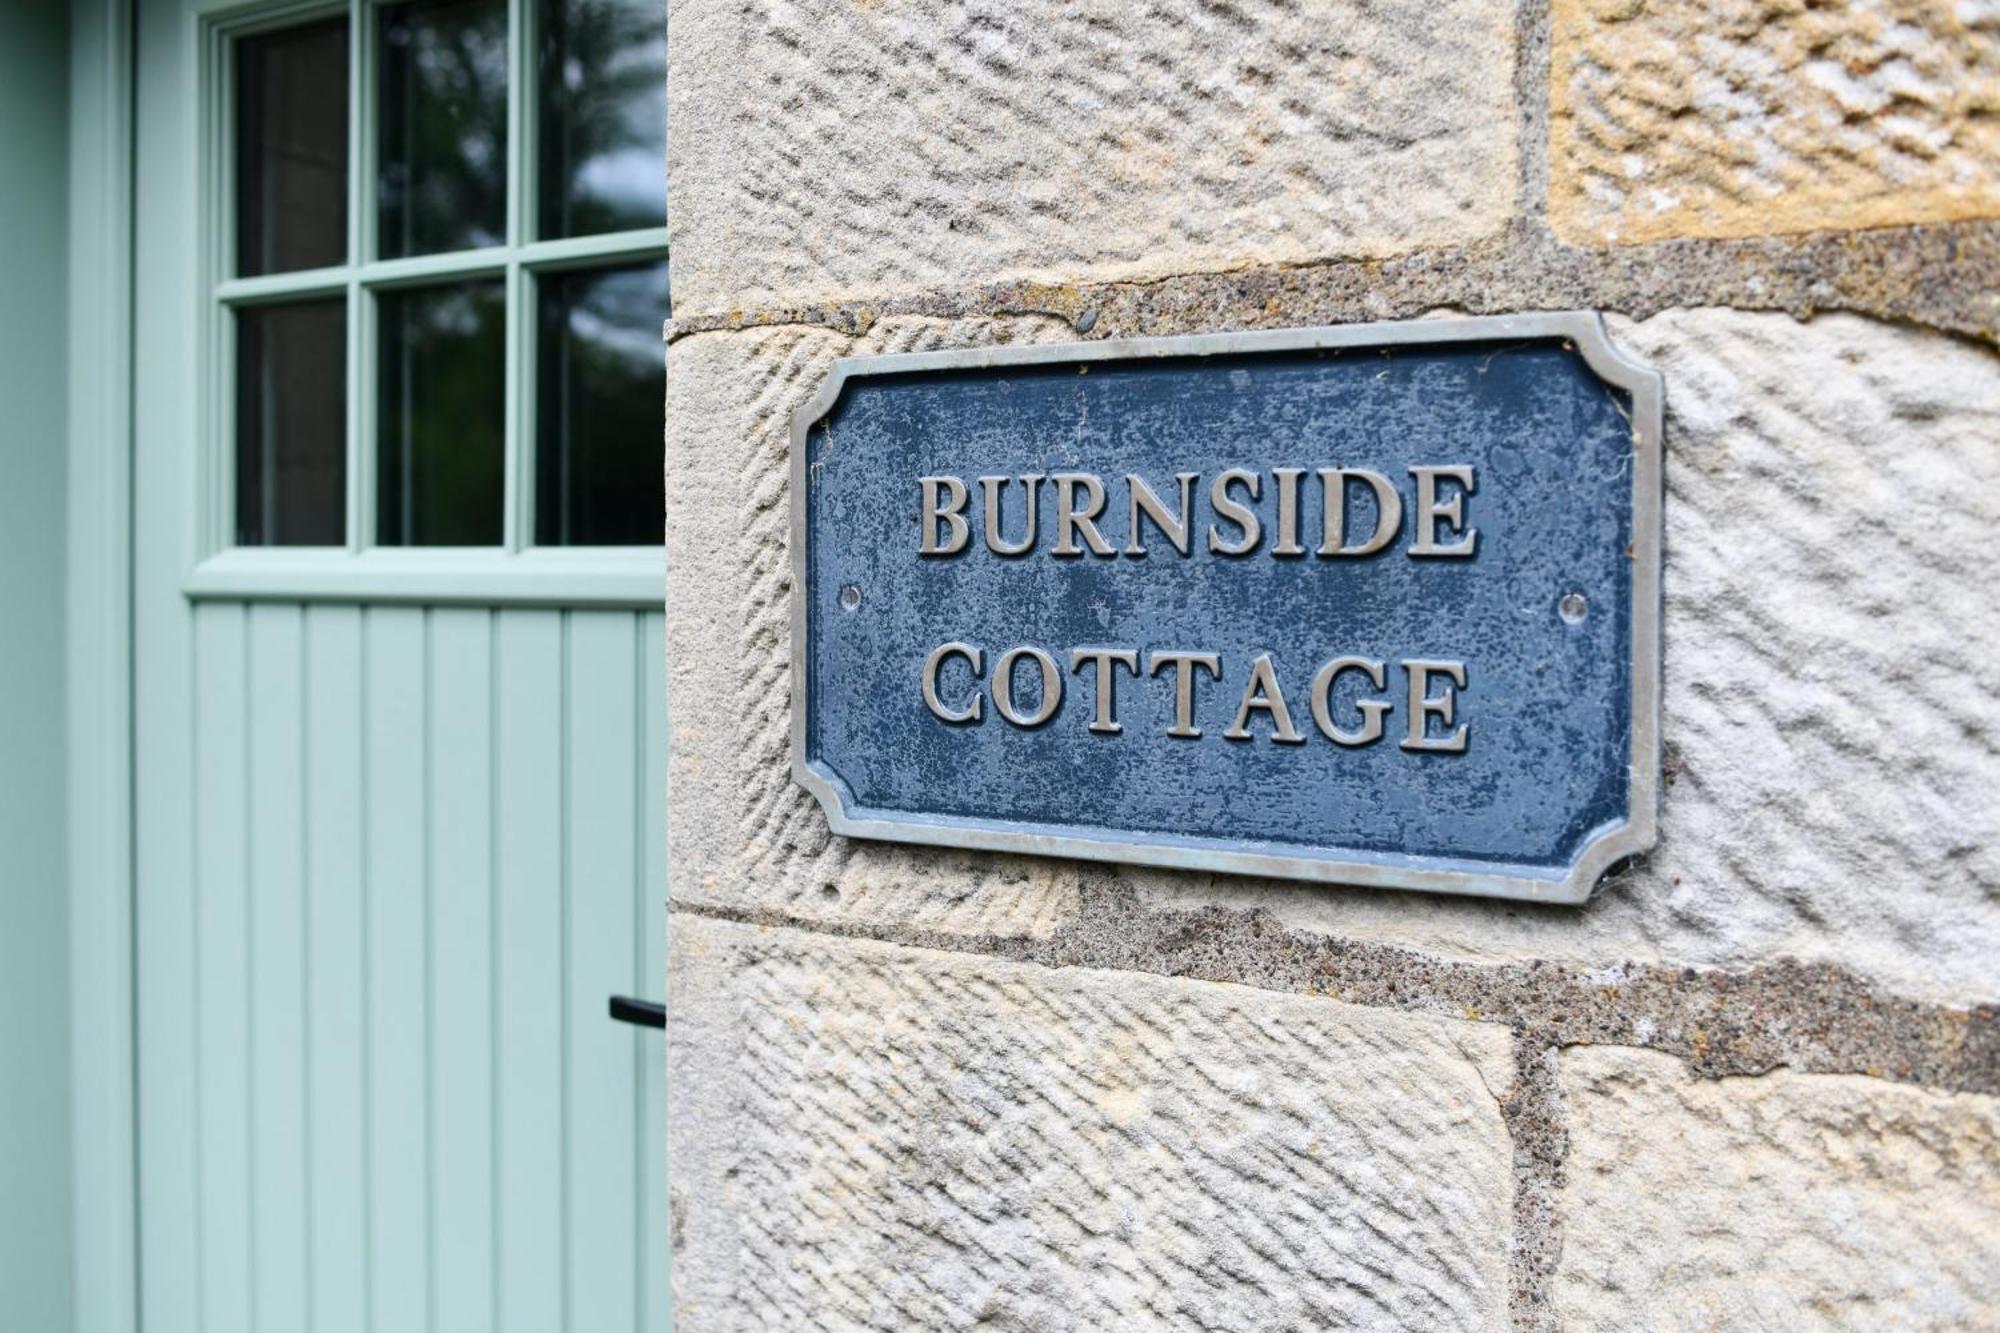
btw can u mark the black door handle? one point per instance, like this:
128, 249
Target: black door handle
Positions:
641, 1013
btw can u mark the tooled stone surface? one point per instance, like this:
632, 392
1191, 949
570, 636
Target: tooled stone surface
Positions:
1741, 117
823, 148
1786, 1201
743, 830
873, 1137
1832, 661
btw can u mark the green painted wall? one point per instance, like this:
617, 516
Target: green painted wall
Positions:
34, 944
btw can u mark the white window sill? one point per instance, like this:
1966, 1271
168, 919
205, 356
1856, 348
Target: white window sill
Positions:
610, 576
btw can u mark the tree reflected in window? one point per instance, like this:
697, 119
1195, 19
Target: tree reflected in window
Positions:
442, 182
603, 135
600, 392
512, 384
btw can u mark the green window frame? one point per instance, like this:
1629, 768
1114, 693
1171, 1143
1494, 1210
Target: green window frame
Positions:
516, 571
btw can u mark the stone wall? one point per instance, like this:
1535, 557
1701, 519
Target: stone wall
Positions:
1756, 1081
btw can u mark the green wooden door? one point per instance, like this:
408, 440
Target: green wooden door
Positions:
400, 703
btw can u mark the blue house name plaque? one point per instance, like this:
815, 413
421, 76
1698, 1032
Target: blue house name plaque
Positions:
1376, 604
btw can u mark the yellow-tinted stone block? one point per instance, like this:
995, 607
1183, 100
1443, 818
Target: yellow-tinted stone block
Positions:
1672, 118
1789, 1201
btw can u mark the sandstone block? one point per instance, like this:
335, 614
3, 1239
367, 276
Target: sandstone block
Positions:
1787, 1201
1745, 117
743, 832
1832, 654
870, 1137
822, 148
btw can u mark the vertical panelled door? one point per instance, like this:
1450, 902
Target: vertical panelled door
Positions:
400, 707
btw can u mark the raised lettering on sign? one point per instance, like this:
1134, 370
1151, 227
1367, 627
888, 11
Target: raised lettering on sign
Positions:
1262, 693
1439, 528
946, 532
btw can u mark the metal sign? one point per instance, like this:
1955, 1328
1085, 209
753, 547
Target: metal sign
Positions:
1376, 604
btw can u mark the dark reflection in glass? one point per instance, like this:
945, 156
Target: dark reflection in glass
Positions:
442, 182
603, 71
600, 391
440, 470
291, 424
291, 149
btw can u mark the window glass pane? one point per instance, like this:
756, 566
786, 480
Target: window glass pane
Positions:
440, 467
600, 394
291, 424
443, 133
603, 71
291, 149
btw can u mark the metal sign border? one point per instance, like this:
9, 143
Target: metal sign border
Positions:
1606, 846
